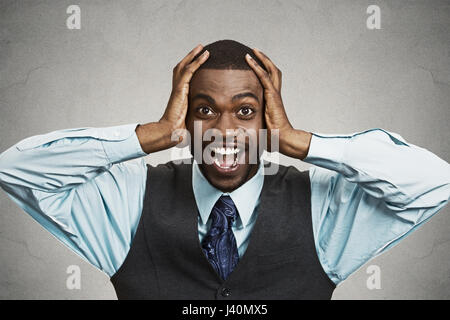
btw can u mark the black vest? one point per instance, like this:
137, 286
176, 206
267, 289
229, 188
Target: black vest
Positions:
166, 261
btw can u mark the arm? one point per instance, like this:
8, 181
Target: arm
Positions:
63, 159
77, 185
369, 190
69, 182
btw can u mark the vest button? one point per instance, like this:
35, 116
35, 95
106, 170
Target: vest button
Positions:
226, 292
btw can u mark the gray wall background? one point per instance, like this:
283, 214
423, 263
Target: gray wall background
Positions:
338, 77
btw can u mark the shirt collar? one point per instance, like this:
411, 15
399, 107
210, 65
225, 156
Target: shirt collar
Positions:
245, 197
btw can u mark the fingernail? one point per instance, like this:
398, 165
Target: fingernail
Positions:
206, 53
248, 56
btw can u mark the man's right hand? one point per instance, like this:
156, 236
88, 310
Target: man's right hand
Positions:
156, 136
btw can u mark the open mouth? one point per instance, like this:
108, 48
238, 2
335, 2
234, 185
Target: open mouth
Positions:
227, 159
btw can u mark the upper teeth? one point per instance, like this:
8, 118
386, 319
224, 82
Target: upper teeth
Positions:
226, 150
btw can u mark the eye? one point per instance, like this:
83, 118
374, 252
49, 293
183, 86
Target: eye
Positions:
204, 110
245, 111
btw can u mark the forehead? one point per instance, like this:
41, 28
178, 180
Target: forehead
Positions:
225, 82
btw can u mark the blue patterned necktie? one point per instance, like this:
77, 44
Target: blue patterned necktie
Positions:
219, 244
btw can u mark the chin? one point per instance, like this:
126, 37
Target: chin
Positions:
227, 166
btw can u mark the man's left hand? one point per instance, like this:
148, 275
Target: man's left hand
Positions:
293, 143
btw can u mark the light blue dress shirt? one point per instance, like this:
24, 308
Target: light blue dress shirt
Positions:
368, 191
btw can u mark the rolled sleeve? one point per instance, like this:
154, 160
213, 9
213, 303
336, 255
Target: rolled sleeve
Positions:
120, 143
326, 151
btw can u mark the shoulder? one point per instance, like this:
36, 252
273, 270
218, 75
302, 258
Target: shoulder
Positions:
282, 176
170, 167
322, 178
131, 172
163, 174
282, 172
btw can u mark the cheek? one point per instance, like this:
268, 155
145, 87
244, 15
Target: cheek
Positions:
262, 119
190, 119
258, 122
254, 126
190, 126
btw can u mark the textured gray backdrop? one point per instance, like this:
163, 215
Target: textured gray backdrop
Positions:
339, 77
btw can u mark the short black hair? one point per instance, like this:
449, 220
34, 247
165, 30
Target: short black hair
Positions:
227, 54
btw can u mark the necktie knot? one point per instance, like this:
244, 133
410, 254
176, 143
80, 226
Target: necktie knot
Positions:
225, 207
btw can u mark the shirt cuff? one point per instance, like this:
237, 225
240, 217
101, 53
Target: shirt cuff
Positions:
327, 151
120, 143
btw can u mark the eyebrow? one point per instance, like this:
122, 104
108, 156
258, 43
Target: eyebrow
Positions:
236, 97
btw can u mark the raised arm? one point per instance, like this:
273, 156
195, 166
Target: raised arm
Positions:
369, 189
63, 159
78, 184
75, 184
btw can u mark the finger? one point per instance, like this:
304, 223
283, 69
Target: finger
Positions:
260, 72
274, 72
188, 58
189, 70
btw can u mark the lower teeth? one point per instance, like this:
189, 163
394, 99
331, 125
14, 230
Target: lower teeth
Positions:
216, 161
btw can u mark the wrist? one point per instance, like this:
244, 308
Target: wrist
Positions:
155, 136
295, 143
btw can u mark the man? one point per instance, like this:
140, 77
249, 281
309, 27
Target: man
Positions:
219, 227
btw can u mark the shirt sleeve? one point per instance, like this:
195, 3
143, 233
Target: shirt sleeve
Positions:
368, 191
79, 185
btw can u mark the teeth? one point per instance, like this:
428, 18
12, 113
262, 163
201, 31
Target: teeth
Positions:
225, 167
225, 151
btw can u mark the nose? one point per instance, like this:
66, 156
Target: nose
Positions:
226, 122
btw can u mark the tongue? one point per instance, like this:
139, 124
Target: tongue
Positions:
226, 161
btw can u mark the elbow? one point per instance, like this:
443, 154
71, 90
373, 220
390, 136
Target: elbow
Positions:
9, 163
3, 166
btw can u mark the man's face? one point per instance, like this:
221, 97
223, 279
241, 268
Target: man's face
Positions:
221, 100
